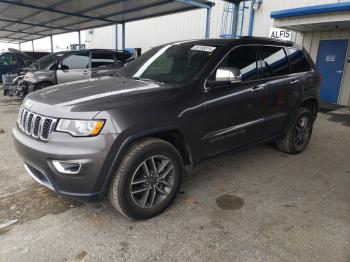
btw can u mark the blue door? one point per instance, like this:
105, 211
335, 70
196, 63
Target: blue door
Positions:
330, 61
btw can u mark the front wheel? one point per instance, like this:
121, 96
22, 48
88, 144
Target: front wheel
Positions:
147, 180
299, 133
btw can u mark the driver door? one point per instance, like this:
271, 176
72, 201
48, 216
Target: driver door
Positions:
234, 113
74, 67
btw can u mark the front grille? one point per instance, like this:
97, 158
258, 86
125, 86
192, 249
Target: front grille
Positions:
35, 125
8, 79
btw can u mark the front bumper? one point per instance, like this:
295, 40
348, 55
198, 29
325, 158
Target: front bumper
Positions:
90, 152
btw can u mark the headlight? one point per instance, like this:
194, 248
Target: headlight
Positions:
80, 127
28, 75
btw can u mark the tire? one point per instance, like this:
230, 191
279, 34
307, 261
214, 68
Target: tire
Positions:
138, 195
298, 134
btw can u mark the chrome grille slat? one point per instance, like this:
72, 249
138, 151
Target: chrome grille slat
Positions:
24, 120
35, 125
29, 123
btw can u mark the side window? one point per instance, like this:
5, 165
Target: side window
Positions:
274, 61
297, 60
76, 61
100, 59
8, 59
244, 59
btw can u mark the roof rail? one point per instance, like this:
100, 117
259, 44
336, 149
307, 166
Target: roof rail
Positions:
286, 42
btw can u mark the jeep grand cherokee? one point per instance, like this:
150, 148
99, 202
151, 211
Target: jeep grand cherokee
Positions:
132, 136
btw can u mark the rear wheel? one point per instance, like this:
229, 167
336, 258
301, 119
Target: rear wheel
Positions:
299, 133
147, 180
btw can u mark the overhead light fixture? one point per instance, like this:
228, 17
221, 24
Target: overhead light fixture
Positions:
257, 4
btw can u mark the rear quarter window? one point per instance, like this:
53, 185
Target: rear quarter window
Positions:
298, 61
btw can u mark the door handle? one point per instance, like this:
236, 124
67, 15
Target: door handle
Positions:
294, 82
340, 71
94, 72
85, 72
257, 88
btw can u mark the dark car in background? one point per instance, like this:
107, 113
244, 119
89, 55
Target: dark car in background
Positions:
63, 67
132, 135
13, 60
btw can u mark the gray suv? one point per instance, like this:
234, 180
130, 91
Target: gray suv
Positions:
64, 67
132, 136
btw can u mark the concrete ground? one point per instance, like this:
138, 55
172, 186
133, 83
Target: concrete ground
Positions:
257, 205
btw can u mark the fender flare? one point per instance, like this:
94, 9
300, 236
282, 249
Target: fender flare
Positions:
117, 158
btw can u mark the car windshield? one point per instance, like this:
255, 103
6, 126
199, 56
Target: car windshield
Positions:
174, 63
46, 62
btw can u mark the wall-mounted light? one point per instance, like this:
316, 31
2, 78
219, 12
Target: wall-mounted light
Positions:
257, 4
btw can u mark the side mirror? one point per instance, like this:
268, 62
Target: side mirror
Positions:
225, 76
228, 74
63, 67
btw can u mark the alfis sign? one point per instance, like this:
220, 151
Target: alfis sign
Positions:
281, 34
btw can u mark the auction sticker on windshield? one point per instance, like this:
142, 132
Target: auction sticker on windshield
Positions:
203, 48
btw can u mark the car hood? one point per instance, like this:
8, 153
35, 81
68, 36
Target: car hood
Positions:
92, 96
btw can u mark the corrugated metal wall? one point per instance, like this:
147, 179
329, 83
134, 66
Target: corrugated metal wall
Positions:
155, 31
191, 25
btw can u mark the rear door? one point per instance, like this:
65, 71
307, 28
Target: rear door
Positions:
283, 90
103, 64
74, 67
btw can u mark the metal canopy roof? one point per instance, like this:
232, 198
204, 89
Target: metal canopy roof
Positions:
26, 20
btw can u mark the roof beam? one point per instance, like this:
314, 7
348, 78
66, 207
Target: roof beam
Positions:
13, 38
54, 11
21, 32
194, 3
138, 8
32, 24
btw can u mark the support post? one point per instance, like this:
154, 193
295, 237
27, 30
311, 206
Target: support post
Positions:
123, 36
19, 46
207, 26
235, 20
51, 41
33, 45
79, 40
116, 36
251, 18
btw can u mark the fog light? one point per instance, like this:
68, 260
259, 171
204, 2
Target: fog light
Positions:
66, 167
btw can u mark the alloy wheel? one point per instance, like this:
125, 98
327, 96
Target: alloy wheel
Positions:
302, 131
152, 181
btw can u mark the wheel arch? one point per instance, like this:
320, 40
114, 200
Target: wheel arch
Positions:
174, 135
312, 104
